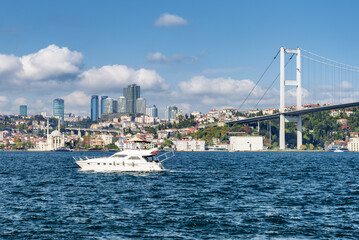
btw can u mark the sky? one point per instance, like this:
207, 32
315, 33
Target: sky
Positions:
198, 55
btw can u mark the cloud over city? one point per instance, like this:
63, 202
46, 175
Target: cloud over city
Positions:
56, 71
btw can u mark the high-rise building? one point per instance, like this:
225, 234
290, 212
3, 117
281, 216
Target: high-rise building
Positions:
23, 110
172, 112
59, 108
108, 106
141, 105
94, 108
121, 105
131, 93
102, 103
114, 106
152, 111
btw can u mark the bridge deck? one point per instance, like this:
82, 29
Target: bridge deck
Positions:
294, 113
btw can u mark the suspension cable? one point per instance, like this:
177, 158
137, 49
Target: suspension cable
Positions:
259, 79
271, 85
330, 64
329, 59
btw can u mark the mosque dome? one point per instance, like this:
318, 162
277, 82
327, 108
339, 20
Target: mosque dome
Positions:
56, 134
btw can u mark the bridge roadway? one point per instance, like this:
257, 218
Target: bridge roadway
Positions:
293, 113
91, 130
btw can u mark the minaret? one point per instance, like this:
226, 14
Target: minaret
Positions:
47, 129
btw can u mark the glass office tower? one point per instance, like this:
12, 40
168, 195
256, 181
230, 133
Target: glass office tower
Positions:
59, 108
141, 105
131, 93
23, 110
94, 108
102, 104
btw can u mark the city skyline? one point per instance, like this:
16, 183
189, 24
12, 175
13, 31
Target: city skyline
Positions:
193, 57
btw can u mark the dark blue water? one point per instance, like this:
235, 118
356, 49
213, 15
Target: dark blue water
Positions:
205, 196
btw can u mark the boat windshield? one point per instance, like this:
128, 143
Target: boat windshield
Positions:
119, 156
151, 158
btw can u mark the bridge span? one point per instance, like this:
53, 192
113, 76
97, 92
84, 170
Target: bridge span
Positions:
293, 113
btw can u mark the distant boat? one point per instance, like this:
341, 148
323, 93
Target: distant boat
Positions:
340, 150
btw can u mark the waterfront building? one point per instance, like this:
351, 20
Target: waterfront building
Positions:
189, 145
246, 143
54, 141
141, 105
131, 93
108, 106
94, 108
353, 145
172, 112
59, 108
23, 110
152, 111
102, 103
121, 105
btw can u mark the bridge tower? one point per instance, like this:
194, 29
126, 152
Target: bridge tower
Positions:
298, 83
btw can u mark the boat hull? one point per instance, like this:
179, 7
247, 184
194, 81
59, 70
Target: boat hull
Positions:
120, 166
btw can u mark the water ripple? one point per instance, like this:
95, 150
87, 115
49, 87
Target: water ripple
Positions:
203, 196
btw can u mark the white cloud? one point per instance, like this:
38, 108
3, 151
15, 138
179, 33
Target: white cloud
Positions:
158, 57
77, 99
216, 86
41, 70
170, 20
50, 62
20, 101
9, 64
216, 92
115, 77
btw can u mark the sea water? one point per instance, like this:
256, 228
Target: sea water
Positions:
205, 195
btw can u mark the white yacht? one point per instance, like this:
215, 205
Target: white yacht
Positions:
126, 161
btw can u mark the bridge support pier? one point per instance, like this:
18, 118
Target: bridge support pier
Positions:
299, 132
295, 83
282, 132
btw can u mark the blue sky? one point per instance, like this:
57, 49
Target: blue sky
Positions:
98, 47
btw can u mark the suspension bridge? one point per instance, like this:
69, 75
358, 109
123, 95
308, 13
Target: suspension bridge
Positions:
328, 82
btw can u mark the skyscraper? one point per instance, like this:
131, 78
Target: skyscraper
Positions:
141, 105
114, 106
108, 106
152, 111
102, 103
59, 108
172, 112
121, 104
94, 108
23, 110
131, 93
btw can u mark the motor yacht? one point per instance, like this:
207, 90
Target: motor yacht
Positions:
126, 161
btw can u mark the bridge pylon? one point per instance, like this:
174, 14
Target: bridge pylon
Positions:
298, 83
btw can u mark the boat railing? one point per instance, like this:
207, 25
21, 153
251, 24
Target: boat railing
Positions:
165, 156
80, 159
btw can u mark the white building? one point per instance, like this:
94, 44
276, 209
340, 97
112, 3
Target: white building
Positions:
106, 138
353, 145
54, 141
189, 145
248, 143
